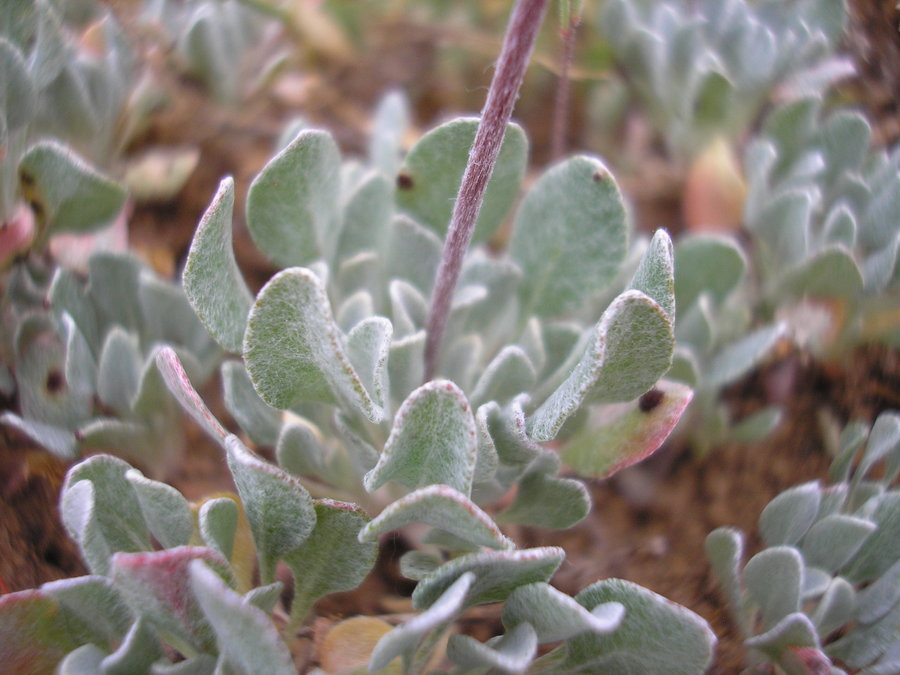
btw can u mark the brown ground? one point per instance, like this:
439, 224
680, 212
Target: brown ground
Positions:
649, 524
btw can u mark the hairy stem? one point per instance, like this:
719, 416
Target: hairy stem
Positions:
561, 105
518, 44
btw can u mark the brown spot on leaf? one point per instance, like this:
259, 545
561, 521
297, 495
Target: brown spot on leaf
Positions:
650, 400
404, 181
26, 179
599, 175
55, 382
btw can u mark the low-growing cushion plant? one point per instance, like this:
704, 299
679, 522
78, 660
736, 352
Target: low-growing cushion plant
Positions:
424, 397
824, 593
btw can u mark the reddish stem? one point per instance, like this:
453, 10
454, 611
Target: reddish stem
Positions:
518, 44
561, 106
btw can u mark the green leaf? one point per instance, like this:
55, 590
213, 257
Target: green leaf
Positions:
279, 508
655, 275
877, 600
404, 639
774, 579
293, 349
92, 607
333, 558
114, 290
442, 507
834, 540
292, 203
836, 607
629, 349
300, 449
882, 549
432, 440
17, 92
61, 442
794, 630
212, 281
176, 379
86, 660
497, 574
430, 176
368, 346
790, 515
569, 237
413, 253
217, 522
655, 636
389, 124
260, 421
137, 652
66, 194
157, 587
831, 272
101, 511
621, 435
867, 642
737, 358
119, 370
725, 551
406, 368
555, 616
511, 653
245, 634
706, 264
543, 500
166, 511
366, 217
508, 374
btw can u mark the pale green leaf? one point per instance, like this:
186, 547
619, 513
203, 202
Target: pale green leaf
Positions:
706, 264
569, 237
292, 203
389, 124
509, 373
774, 579
260, 421
790, 515
556, 616
834, 540
737, 358
511, 653
433, 440
412, 254
655, 275
543, 500
166, 511
212, 281
119, 370
430, 176
217, 522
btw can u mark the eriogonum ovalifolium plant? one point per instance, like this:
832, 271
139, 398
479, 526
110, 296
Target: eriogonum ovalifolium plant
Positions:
825, 590
340, 374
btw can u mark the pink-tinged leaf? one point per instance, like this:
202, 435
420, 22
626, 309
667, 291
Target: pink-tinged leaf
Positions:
180, 385
157, 586
16, 234
33, 633
622, 435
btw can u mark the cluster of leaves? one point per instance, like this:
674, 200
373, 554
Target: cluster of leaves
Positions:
338, 394
825, 588
706, 69
83, 350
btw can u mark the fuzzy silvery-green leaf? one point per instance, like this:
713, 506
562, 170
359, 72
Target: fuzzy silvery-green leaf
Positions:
413, 253
265, 597
355, 309
757, 425
725, 551
876, 601
101, 511
655, 275
293, 349
86, 660
543, 500
166, 511
491, 317
17, 92
300, 450
366, 217
81, 369
92, 607
831, 272
569, 237
119, 370
138, 651
279, 508
615, 438
34, 634
508, 374
404, 639
774, 579
556, 616
788, 516
832, 541
655, 636
784, 227
696, 330
711, 105
867, 642
852, 438
497, 574
157, 586
362, 455
409, 308
433, 440
884, 440
511, 653
114, 289
507, 428
389, 123
835, 608
66, 194
416, 565
61, 442
333, 558
431, 173
461, 360
882, 549
217, 522
68, 296
361, 272
292, 203
442, 507
212, 281
368, 347
706, 264
260, 421
628, 350
179, 384
815, 583
245, 635
740, 356
794, 630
